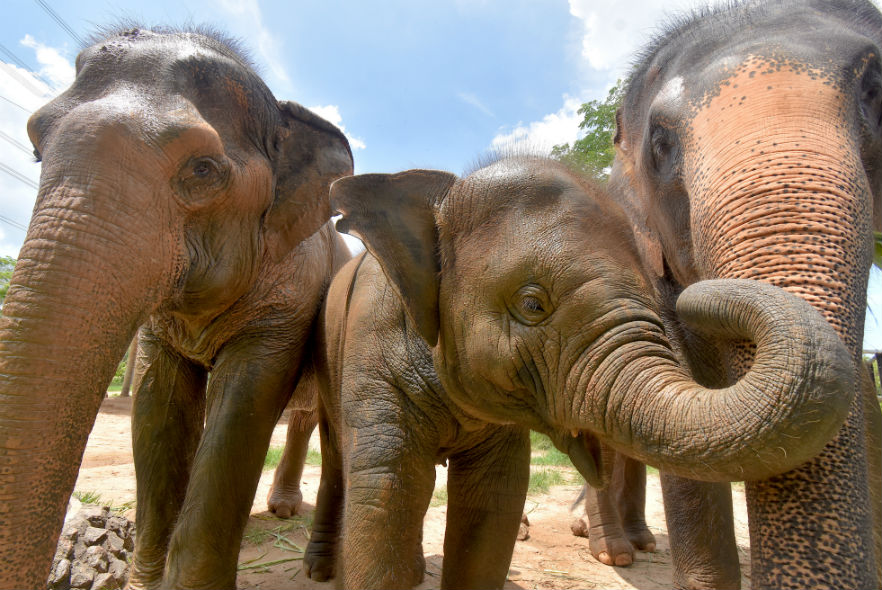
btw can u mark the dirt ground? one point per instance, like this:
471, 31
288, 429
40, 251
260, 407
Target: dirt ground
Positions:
270, 558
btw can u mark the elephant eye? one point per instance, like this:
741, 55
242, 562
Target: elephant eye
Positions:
664, 148
201, 178
530, 305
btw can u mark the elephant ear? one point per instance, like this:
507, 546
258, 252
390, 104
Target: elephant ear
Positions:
310, 153
625, 194
394, 215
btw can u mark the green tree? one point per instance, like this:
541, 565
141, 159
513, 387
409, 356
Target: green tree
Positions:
593, 154
7, 263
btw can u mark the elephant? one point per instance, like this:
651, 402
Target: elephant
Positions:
514, 299
749, 146
176, 194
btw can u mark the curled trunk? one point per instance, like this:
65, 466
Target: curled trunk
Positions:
778, 415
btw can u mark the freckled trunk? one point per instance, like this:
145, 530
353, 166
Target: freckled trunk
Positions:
74, 303
786, 201
781, 412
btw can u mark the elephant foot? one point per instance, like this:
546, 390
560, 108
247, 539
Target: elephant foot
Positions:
145, 578
524, 528
318, 562
640, 537
609, 547
283, 502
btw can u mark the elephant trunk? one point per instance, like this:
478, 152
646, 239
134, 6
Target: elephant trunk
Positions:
75, 301
780, 414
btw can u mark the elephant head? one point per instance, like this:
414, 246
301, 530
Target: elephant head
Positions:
170, 177
749, 145
525, 280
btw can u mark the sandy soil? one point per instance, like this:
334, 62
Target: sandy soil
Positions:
551, 558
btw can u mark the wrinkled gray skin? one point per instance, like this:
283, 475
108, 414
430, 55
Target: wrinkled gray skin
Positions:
176, 193
514, 299
749, 146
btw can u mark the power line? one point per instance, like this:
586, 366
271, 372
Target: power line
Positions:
15, 104
61, 22
24, 66
16, 143
13, 223
18, 175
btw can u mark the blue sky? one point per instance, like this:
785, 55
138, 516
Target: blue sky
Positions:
414, 83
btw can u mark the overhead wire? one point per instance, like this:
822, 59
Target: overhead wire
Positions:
61, 22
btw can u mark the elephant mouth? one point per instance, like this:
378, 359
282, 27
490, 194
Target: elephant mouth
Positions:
584, 450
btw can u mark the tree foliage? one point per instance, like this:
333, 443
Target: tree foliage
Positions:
593, 154
7, 263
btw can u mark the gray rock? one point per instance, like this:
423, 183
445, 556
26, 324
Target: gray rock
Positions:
96, 558
59, 577
119, 569
114, 544
81, 576
65, 549
96, 515
94, 535
118, 525
105, 582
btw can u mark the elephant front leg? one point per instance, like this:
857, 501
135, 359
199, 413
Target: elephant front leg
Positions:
701, 532
285, 497
389, 484
629, 487
609, 540
246, 396
167, 417
486, 489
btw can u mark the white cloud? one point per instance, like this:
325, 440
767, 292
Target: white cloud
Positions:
614, 29
55, 67
331, 113
540, 136
471, 99
248, 17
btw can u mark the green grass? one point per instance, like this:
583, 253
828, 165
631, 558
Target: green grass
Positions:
90, 497
313, 457
87, 497
439, 498
274, 457
540, 442
541, 480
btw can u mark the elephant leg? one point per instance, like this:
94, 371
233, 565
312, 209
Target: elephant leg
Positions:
246, 395
318, 561
629, 486
701, 532
390, 476
486, 489
167, 417
284, 497
602, 523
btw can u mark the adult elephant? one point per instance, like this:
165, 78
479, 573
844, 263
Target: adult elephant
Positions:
749, 145
176, 193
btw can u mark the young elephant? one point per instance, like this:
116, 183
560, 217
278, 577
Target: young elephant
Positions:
514, 299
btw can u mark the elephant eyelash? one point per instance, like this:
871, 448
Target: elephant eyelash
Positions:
37, 156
